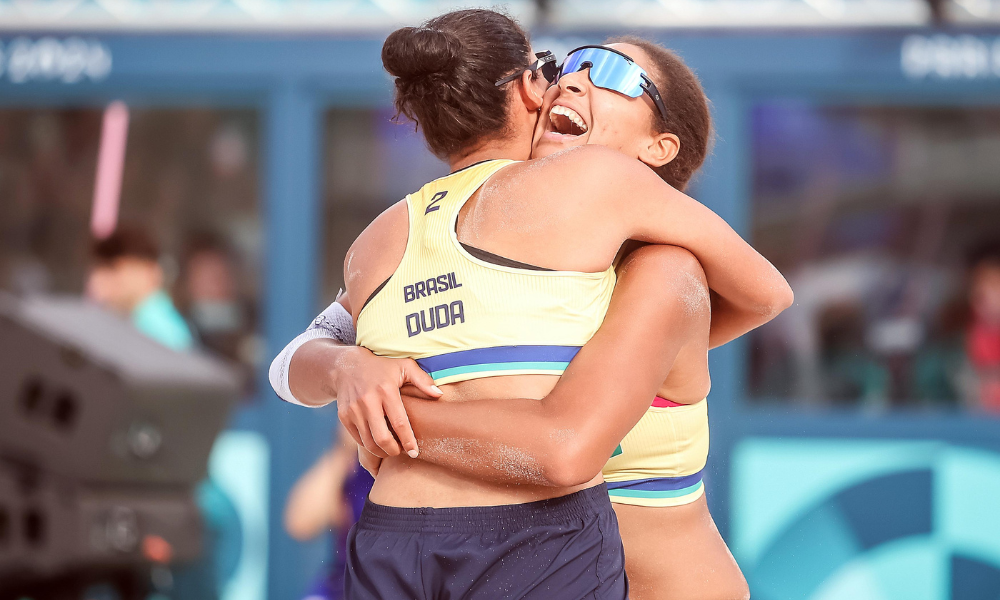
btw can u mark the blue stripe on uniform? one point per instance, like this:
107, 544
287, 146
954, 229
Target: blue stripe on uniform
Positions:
658, 483
498, 354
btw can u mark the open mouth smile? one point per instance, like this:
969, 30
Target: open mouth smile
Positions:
566, 121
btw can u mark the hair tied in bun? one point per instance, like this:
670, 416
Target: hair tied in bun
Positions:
417, 52
444, 74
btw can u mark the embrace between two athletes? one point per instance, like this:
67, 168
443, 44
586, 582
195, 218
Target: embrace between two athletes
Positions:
565, 305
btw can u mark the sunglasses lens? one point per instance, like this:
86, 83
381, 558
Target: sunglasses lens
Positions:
573, 62
550, 71
608, 70
613, 72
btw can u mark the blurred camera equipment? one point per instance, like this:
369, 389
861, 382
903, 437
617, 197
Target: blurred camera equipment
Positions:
104, 434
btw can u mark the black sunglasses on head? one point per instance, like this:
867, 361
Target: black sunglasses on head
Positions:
546, 63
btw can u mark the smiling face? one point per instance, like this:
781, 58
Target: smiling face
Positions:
575, 112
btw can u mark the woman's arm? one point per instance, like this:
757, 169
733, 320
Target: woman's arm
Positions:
624, 193
322, 365
749, 290
334, 323
564, 439
316, 501
367, 391
365, 387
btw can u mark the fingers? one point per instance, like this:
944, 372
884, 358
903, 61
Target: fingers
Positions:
400, 423
352, 431
379, 428
414, 392
374, 412
369, 461
414, 375
355, 421
365, 421
346, 417
369, 443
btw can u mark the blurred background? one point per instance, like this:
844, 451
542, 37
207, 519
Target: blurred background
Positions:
199, 168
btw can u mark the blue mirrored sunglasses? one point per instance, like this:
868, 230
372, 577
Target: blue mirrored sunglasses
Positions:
611, 70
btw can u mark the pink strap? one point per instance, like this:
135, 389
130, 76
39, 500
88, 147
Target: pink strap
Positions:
664, 403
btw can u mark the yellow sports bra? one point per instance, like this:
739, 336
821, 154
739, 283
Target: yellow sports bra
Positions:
464, 313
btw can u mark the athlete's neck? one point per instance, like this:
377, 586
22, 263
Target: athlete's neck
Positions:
493, 150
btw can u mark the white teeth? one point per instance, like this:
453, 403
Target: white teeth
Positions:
570, 114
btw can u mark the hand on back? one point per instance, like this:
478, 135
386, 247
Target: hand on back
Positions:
369, 461
368, 403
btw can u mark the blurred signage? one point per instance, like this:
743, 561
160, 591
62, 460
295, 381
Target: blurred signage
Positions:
50, 59
738, 13
821, 519
950, 57
223, 15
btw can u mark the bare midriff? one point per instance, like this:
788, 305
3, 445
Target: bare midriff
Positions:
404, 482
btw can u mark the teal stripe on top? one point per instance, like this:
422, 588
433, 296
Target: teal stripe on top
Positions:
624, 493
511, 366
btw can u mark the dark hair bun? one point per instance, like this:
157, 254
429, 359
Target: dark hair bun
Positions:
444, 74
416, 52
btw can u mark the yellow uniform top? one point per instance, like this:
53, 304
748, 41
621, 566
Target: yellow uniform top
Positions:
661, 462
463, 313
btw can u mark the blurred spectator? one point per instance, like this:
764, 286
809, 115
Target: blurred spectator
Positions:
127, 278
330, 494
849, 371
868, 210
939, 366
210, 295
983, 336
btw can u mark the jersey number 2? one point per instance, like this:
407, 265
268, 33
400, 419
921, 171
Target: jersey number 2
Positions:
433, 203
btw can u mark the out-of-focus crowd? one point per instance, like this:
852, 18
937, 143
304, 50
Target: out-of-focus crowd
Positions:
886, 222
127, 276
952, 361
181, 264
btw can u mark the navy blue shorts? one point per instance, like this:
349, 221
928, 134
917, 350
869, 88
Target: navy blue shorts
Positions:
564, 548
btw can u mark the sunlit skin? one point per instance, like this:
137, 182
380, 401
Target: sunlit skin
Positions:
594, 200
612, 119
698, 563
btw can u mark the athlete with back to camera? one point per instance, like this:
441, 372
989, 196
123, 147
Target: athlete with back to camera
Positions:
589, 189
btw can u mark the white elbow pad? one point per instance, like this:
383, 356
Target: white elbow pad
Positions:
334, 323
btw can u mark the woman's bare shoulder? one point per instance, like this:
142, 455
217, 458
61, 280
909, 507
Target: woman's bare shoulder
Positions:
376, 253
600, 173
589, 157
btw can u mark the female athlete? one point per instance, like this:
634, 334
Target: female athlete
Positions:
594, 200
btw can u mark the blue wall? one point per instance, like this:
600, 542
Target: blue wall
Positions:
291, 80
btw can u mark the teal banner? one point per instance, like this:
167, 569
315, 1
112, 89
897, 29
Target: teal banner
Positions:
866, 520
